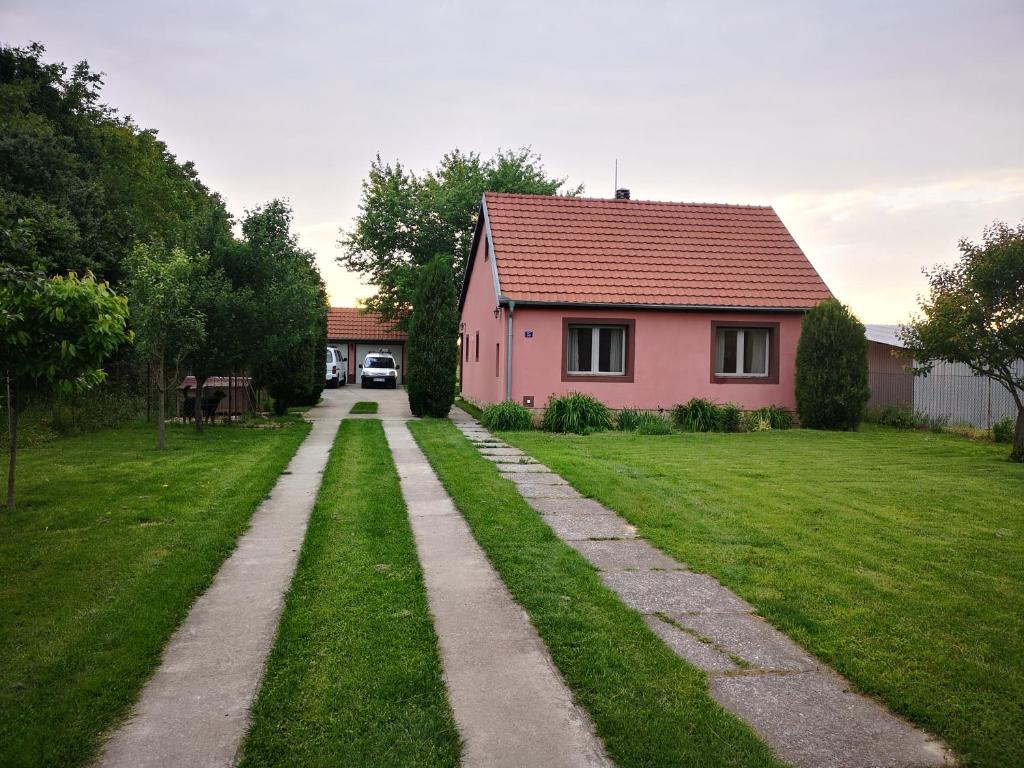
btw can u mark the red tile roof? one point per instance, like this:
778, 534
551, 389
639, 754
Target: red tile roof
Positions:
595, 251
352, 324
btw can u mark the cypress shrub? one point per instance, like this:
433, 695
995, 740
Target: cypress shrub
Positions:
433, 331
831, 368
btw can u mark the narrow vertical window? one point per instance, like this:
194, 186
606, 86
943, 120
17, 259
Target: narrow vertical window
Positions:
497, 359
478, 346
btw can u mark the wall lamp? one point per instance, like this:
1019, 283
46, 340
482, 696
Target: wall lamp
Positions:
497, 311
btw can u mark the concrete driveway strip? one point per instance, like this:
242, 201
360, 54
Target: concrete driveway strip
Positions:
194, 710
510, 704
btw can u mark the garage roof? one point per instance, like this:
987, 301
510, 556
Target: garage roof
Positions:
353, 324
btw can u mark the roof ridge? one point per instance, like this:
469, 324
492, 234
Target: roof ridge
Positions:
612, 200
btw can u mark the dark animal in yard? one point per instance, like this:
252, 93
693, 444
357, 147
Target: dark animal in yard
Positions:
188, 405
210, 404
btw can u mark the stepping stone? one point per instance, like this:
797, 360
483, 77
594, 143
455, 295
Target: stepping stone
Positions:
571, 527
530, 490
501, 451
752, 639
672, 592
624, 555
688, 647
504, 458
540, 476
812, 720
568, 507
515, 467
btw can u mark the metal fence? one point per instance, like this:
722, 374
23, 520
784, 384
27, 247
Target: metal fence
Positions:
950, 392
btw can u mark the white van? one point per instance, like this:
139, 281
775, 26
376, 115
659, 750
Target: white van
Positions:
379, 370
337, 368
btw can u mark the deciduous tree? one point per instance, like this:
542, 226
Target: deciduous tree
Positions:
406, 219
54, 333
974, 315
168, 325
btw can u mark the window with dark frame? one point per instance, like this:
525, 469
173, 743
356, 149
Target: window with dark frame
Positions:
497, 358
596, 350
478, 346
465, 345
742, 352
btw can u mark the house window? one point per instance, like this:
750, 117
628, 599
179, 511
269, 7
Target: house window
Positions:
742, 352
465, 346
478, 346
497, 359
596, 350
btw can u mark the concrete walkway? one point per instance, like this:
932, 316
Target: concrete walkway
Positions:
194, 711
803, 710
510, 704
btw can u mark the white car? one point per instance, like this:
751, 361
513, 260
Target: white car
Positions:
337, 368
379, 370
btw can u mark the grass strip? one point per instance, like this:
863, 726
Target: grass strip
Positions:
354, 678
648, 705
110, 544
469, 408
364, 406
897, 557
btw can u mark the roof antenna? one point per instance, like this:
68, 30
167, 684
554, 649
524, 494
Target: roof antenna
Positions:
616, 175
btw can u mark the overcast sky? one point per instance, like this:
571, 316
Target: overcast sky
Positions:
882, 132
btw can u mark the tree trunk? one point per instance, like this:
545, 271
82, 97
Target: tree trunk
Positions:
12, 436
161, 419
1018, 437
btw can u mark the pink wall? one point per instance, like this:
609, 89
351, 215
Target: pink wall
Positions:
479, 383
672, 360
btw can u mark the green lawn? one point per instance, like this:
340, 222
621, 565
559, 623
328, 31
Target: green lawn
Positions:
649, 707
896, 557
109, 545
354, 678
364, 406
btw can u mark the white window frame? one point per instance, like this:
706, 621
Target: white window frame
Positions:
741, 334
594, 355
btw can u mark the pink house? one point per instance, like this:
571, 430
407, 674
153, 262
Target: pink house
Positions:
637, 303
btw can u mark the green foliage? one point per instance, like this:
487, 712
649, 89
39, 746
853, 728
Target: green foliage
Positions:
576, 412
80, 184
898, 416
730, 417
433, 334
768, 418
507, 416
282, 319
644, 422
406, 219
831, 368
697, 415
654, 424
54, 335
974, 315
1002, 430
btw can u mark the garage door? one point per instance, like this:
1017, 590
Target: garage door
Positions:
395, 350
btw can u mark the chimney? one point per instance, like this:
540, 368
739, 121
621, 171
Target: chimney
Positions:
622, 193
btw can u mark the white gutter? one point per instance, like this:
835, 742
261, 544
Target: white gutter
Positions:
508, 353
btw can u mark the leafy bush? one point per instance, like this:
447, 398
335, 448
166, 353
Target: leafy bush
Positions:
654, 424
698, 415
898, 416
831, 368
507, 416
1002, 430
577, 413
644, 422
730, 417
935, 424
768, 418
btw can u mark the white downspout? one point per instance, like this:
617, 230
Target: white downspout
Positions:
508, 353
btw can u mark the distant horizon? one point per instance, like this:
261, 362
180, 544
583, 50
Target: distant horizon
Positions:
881, 134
